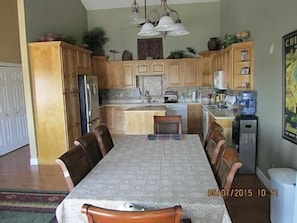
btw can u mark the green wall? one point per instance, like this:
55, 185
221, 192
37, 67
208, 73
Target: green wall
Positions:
9, 39
67, 17
268, 21
201, 19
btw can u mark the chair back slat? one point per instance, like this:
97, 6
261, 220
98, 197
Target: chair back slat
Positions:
104, 138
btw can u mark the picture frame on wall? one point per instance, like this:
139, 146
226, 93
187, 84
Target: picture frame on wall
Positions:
151, 48
289, 105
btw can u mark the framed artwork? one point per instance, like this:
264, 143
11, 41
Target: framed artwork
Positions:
289, 123
150, 48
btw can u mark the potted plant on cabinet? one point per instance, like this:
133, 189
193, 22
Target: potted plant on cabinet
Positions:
95, 40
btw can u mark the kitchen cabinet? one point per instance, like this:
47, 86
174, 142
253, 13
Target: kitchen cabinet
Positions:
102, 114
115, 119
226, 123
120, 75
84, 65
195, 119
140, 120
54, 71
183, 72
99, 69
237, 63
150, 67
206, 68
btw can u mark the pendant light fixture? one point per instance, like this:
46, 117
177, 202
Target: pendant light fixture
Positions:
165, 25
135, 18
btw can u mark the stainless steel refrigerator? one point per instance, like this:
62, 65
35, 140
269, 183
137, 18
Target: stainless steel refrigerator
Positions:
89, 102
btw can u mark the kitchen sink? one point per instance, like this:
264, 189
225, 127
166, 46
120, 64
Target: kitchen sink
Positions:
212, 106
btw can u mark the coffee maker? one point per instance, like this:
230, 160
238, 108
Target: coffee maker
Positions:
221, 94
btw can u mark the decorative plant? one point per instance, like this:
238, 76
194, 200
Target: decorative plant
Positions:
95, 40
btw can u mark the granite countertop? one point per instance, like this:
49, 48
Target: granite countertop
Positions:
222, 113
145, 108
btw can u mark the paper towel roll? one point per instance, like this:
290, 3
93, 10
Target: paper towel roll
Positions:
194, 96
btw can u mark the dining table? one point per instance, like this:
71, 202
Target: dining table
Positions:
147, 173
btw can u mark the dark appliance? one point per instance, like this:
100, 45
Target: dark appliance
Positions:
244, 137
89, 102
170, 97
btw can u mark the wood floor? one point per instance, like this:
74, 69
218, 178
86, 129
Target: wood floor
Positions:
17, 173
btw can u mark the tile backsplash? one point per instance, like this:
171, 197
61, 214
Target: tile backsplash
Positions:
156, 85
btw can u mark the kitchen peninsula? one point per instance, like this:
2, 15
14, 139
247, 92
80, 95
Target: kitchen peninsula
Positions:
140, 119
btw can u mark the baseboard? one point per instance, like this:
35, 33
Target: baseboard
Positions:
33, 161
263, 178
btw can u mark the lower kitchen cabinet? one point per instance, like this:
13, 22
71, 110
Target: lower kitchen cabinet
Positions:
195, 119
115, 119
102, 114
227, 126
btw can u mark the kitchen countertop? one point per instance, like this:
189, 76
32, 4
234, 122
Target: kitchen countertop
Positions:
145, 108
222, 113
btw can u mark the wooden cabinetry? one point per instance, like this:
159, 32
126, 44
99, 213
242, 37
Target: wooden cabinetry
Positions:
84, 65
102, 114
99, 69
150, 67
115, 119
54, 71
237, 63
120, 75
183, 72
206, 68
195, 118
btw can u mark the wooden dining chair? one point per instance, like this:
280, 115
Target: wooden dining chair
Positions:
91, 146
214, 147
227, 168
75, 165
104, 138
169, 124
214, 127
102, 215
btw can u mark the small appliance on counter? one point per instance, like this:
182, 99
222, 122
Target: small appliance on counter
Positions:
221, 95
170, 97
230, 101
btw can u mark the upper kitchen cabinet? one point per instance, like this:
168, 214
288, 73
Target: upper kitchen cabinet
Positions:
120, 75
206, 68
84, 62
99, 69
150, 67
237, 62
183, 72
54, 72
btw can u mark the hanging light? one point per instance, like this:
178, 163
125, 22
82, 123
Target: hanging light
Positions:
165, 25
135, 18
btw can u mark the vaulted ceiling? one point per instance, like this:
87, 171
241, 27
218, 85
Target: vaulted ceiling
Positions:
109, 4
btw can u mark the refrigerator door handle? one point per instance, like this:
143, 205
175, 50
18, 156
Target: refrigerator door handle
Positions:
89, 100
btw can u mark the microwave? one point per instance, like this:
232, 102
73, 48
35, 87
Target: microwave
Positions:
220, 80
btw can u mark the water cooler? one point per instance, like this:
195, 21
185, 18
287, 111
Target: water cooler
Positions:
244, 131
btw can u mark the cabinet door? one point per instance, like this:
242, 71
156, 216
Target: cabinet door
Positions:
99, 69
102, 114
73, 117
158, 67
114, 75
189, 72
206, 65
195, 118
143, 68
70, 71
174, 73
129, 80
84, 62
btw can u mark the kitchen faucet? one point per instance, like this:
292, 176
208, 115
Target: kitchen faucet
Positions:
147, 94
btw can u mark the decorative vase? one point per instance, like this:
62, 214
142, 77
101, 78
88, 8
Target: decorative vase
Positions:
213, 43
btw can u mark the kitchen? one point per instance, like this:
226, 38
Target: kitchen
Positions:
273, 150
